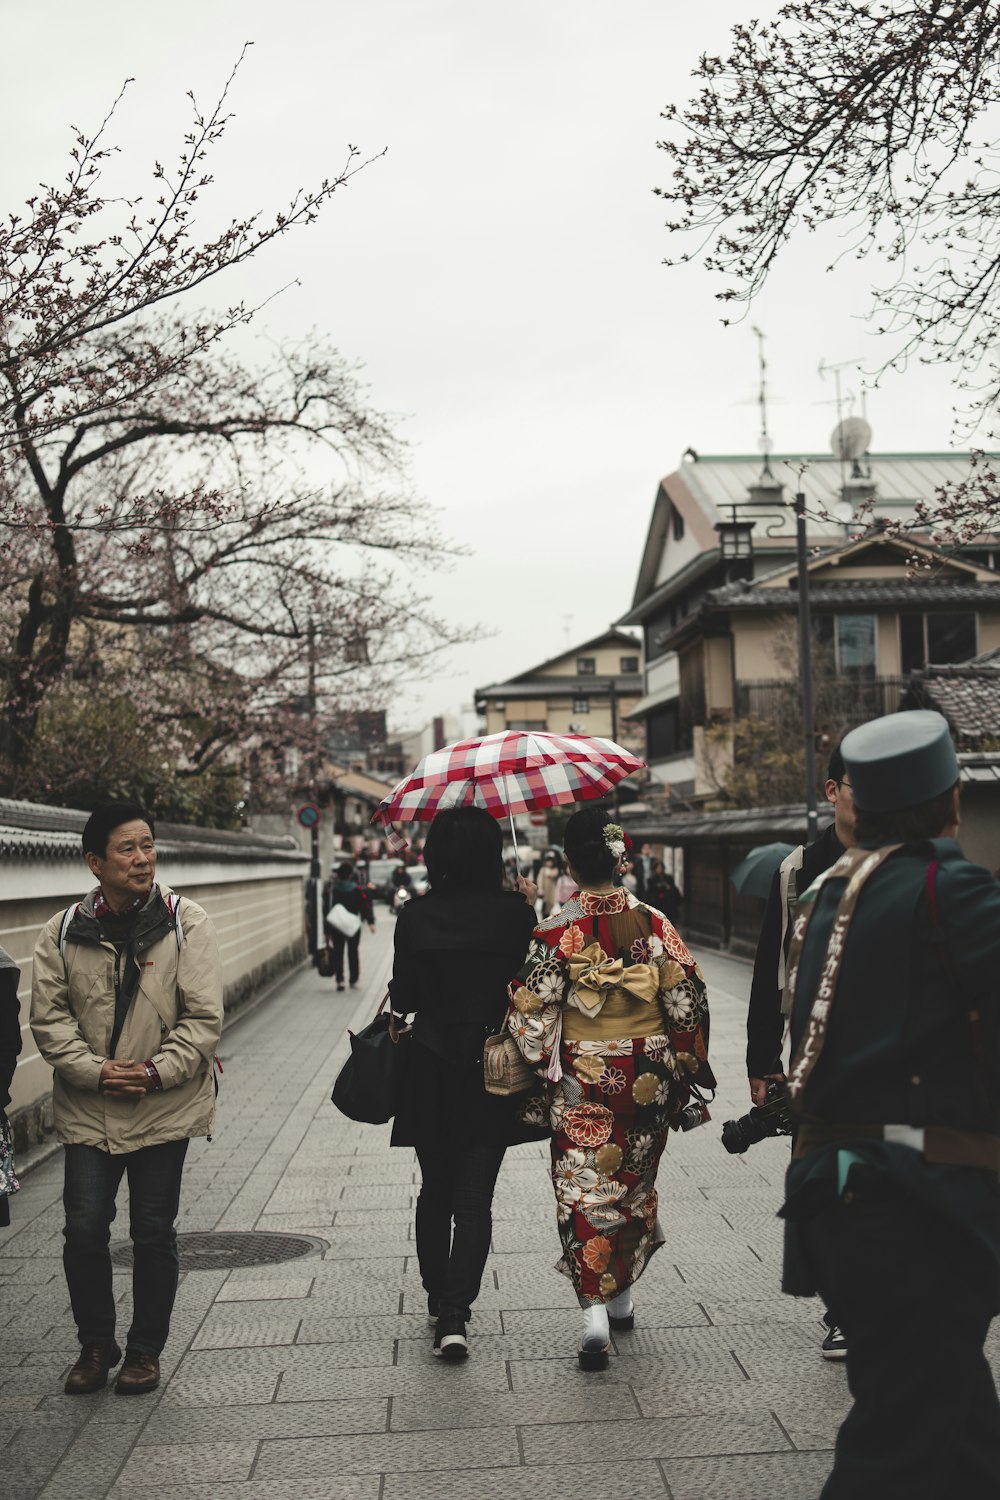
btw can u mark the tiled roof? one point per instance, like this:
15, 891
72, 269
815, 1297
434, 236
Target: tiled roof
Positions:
757, 825
887, 591
575, 685
31, 830
968, 695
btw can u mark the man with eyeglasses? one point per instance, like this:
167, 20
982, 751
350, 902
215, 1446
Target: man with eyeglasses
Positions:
769, 997
126, 1006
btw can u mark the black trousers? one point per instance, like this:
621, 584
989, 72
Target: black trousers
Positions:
352, 945
915, 1296
455, 1222
92, 1180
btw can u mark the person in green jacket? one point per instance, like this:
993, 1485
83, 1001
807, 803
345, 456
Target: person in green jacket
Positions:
892, 1204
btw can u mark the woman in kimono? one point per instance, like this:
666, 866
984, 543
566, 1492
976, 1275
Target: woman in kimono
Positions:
611, 1008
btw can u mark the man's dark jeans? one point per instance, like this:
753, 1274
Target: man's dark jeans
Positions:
352, 944
91, 1186
457, 1185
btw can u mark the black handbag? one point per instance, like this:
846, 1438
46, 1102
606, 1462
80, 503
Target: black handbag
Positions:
369, 1086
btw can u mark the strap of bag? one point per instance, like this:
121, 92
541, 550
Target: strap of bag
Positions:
858, 865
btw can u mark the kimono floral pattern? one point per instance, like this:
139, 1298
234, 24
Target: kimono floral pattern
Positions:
617, 1098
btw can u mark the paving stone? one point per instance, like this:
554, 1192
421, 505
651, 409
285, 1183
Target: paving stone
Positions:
307, 1487
321, 1327
793, 1476
481, 1409
229, 1328
390, 1452
236, 1424
695, 1435
609, 1481
261, 1291
180, 1463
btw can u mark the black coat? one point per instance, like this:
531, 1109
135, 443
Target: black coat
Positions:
455, 955
10, 1041
765, 1023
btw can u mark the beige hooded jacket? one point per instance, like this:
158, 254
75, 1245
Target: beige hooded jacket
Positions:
175, 1021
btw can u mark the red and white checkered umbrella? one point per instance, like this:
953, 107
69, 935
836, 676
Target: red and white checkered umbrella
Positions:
506, 773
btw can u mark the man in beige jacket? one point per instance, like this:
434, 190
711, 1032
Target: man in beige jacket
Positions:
126, 1005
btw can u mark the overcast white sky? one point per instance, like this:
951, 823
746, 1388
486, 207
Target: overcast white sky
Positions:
498, 272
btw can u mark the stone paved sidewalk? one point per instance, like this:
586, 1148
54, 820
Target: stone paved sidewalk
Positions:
314, 1380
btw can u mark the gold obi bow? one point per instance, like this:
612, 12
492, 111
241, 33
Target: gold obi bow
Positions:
593, 974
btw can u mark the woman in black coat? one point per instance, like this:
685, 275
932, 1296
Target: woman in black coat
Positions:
455, 951
10, 1046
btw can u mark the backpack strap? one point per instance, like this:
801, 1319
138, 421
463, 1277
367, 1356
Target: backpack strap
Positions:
174, 908
68, 916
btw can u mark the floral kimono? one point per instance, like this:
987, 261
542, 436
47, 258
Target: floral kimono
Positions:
611, 1007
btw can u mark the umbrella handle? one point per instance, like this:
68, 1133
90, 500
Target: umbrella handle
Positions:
513, 830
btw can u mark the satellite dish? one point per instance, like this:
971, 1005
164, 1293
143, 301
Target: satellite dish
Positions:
843, 512
851, 438
764, 444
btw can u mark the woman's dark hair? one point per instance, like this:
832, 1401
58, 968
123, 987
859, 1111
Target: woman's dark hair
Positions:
464, 851
104, 820
345, 871
910, 825
585, 846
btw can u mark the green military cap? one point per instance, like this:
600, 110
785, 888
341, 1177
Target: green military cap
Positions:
900, 760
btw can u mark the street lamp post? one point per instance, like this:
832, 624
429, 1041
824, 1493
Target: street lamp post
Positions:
805, 668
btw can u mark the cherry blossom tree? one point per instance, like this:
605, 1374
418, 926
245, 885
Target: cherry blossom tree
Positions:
877, 118
194, 540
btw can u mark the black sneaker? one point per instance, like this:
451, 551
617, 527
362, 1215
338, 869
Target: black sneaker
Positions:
449, 1338
834, 1346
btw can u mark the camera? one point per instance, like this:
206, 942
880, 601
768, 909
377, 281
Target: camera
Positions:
693, 1114
768, 1119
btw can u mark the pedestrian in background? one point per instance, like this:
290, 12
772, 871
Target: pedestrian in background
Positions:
10, 1046
892, 1203
346, 891
548, 877
126, 1007
663, 892
611, 1008
455, 950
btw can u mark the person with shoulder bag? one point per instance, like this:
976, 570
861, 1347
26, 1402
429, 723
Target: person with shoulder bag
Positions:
455, 950
348, 906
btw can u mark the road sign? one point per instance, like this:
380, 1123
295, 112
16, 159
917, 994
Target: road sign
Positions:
308, 815
538, 818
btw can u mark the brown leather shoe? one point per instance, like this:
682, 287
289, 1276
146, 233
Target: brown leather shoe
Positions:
90, 1373
140, 1373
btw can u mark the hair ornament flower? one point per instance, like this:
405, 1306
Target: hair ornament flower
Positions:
614, 837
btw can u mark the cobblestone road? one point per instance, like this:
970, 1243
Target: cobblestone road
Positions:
314, 1380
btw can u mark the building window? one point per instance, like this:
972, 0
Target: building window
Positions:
856, 645
850, 640
937, 638
663, 731
528, 726
678, 523
586, 665
628, 664
581, 705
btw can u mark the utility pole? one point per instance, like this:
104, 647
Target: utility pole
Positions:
315, 869
613, 695
805, 667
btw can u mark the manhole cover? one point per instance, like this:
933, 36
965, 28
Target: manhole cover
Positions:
218, 1252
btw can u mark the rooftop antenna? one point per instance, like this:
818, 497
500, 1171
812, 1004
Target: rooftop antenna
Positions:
839, 449
764, 443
